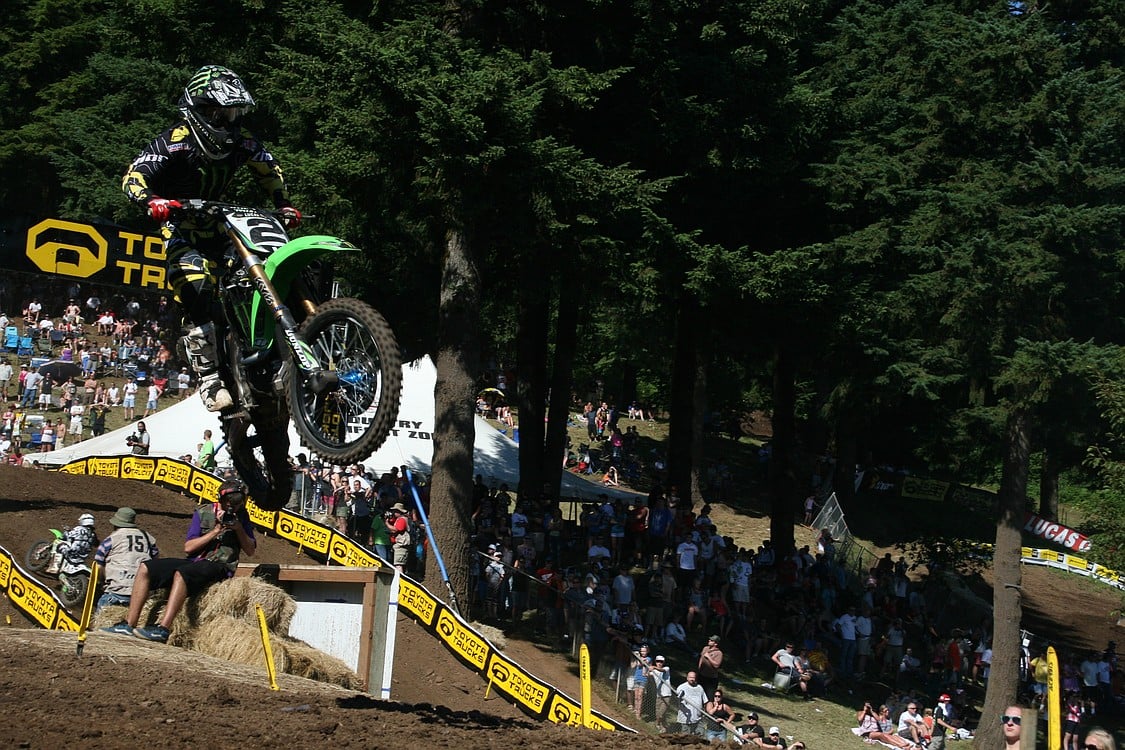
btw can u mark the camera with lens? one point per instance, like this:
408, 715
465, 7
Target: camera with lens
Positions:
133, 439
229, 519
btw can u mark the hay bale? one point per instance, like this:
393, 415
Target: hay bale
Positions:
236, 640
108, 617
236, 597
306, 661
494, 635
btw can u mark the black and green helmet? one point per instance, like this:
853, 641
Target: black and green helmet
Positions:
213, 103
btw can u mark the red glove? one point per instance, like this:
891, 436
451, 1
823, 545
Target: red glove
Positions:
161, 208
290, 217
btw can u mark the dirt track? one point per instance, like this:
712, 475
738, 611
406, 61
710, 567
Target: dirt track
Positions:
124, 691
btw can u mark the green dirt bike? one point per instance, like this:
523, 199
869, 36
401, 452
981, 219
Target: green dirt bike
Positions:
334, 365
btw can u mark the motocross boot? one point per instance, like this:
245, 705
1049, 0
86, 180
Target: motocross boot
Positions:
200, 346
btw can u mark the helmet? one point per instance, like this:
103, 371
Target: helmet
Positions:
214, 101
86, 520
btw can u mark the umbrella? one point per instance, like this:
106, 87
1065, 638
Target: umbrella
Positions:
60, 370
493, 396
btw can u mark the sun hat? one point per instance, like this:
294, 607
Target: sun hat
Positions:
124, 518
714, 639
399, 507
774, 730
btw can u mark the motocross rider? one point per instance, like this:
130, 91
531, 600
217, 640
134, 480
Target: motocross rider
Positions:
77, 542
197, 158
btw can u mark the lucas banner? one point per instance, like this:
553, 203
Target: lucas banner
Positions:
1056, 532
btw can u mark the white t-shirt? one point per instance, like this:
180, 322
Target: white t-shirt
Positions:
685, 555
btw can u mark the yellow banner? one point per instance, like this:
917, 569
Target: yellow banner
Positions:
584, 684
263, 518
1054, 701
104, 467
30, 596
306, 533
564, 711
5, 569
518, 684
140, 468
346, 552
173, 472
924, 489
462, 640
74, 467
204, 486
417, 601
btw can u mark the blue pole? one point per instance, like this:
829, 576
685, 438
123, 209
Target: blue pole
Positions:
433, 542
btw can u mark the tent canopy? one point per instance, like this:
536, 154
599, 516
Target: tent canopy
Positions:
178, 430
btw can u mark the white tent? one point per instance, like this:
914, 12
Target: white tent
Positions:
177, 431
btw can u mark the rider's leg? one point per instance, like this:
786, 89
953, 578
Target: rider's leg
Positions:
190, 280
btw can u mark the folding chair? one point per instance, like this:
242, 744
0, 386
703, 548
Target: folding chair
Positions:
11, 338
26, 347
43, 346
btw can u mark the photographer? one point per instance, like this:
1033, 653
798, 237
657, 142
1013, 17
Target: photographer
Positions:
397, 525
219, 534
139, 440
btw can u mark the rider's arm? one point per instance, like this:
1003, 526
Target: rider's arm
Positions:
148, 164
267, 171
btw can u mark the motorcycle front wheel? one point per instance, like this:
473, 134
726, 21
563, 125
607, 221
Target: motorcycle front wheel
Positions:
72, 588
347, 423
39, 556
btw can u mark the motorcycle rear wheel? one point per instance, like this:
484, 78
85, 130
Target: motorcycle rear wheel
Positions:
262, 459
347, 424
39, 555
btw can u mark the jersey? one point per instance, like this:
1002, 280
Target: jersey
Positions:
121, 553
172, 166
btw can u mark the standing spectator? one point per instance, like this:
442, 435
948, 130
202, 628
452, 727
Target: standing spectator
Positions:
360, 521
642, 665
46, 390
153, 396
5, 378
89, 388
709, 665
220, 533
662, 675
47, 437
206, 459
76, 412
692, 699
129, 401
1089, 671
845, 627
183, 383
1072, 721
121, 554
97, 419
944, 716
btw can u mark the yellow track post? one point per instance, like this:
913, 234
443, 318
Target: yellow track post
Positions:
87, 608
270, 669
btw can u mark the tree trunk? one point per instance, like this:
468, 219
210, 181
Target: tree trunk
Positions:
531, 383
1007, 608
566, 346
457, 362
783, 486
685, 368
1049, 486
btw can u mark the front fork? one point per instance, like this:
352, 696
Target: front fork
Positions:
318, 378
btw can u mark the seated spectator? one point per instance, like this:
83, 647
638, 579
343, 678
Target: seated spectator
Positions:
609, 479
878, 727
674, 634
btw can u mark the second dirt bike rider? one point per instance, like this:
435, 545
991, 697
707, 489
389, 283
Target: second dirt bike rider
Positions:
198, 158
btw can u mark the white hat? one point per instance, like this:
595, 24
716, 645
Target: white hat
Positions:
774, 730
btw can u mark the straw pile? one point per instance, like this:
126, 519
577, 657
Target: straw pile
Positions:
223, 622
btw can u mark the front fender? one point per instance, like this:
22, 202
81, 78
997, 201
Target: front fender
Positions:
284, 264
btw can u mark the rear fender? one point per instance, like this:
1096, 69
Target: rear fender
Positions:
282, 267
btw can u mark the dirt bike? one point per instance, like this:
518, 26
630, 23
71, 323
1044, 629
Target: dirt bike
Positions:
333, 365
44, 557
